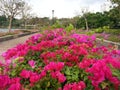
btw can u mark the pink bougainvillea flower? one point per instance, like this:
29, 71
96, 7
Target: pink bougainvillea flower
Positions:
67, 87
60, 76
25, 74
75, 86
85, 63
100, 71
16, 86
36, 37
19, 50
4, 81
42, 74
31, 63
34, 78
93, 37
54, 66
15, 80
59, 66
53, 75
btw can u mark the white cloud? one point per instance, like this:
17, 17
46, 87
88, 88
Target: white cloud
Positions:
64, 8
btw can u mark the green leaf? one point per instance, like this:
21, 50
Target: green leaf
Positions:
85, 78
48, 84
13, 73
104, 84
67, 71
38, 85
68, 77
116, 73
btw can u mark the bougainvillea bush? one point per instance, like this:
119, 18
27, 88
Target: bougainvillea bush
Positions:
56, 60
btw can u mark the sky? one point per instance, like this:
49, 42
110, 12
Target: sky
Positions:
66, 8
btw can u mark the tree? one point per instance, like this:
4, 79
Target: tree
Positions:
95, 20
11, 8
26, 13
114, 18
84, 12
116, 8
115, 2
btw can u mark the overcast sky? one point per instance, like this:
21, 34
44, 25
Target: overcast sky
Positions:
65, 8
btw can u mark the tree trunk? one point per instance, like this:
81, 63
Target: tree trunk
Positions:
25, 25
10, 24
87, 28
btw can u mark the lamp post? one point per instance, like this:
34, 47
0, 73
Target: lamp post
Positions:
52, 16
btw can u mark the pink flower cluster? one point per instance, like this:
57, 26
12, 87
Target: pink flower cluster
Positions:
55, 69
82, 38
18, 51
13, 84
32, 76
75, 86
31, 63
100, 72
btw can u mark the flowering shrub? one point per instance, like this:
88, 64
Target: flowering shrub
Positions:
56, 60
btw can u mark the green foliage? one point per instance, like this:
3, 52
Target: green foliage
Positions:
90, 33
116, 73
115, 2
95, 20
69, 28
80, 23
57, 25
74, 74
99, 30
106, 27
3, 21
110, 19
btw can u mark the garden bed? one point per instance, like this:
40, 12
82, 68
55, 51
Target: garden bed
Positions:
57, 60
112, 35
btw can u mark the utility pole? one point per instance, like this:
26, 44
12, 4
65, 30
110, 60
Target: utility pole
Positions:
52, 16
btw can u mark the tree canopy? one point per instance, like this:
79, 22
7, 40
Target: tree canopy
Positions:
11, 8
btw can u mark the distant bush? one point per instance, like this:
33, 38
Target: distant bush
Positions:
90, 33
106, 27
69, 28
99, 30
57, 24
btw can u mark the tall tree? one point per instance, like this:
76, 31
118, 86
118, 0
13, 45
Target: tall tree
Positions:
84, 12
116, 11
26, 10
115, 2
11, 8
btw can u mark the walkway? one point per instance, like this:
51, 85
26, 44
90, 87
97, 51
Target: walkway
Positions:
11, 43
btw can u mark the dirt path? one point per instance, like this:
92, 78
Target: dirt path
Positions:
11, 43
